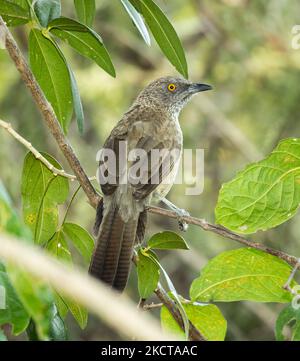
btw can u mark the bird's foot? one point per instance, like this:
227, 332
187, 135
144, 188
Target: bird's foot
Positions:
181, 213
183, 226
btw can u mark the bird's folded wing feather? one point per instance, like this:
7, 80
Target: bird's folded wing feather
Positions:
136, 133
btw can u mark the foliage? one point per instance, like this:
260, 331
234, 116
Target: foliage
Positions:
207, 318
42, 191
262, 196
48, 63
163, 33
288, 316
242, 274
13, 14
148, 275
265, 194
15, 313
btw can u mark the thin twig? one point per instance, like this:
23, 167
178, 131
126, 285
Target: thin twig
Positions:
291, 277
8, 127
141, 303
152, 305
35, 152
224, 232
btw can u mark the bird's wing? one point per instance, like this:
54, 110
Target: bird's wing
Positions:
108, 170
135, 128
118, 134
155, 168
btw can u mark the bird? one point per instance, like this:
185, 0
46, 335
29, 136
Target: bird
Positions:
150, 125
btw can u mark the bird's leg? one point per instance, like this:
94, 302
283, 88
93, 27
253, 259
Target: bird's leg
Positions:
183, 226
292, 275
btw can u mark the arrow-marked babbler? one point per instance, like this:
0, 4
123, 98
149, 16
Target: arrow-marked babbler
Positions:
150, 124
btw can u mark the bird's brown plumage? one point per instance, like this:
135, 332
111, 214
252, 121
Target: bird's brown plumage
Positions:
150, 124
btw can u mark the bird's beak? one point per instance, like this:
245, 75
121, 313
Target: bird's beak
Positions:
198, 87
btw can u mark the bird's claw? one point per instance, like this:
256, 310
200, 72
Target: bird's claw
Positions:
183, 226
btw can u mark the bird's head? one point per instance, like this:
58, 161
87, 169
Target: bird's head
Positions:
171, 93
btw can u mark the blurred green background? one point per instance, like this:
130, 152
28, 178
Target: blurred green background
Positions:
242, 48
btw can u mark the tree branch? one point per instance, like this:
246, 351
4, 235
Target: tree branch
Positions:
224, 232
37, 154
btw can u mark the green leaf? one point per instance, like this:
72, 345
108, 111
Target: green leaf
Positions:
23, 3
52, 74
264, 194
13, 14
41, 194
242, 274
58, 247
2, 336
137, 20
81, 239
167, 240
85, 10
12, 310
164, 33
31, 332
57, 329
62, 308
173, 293
5, 208
64, 304
78, 110
287, 316
13, 313
36, 297
9, 220
79, 312
148, 274
25, 296
208, 319
83, 39
47, 10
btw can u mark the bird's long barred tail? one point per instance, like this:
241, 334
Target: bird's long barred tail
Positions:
112, 256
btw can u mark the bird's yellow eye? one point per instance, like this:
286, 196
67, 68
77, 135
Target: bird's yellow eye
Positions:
171, 87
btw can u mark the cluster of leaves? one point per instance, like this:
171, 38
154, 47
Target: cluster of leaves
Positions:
48, 63
262, 196
241, 274
265, 194
30, 304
